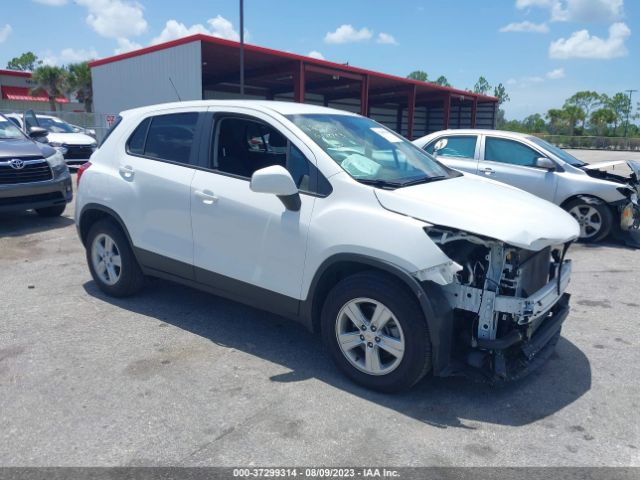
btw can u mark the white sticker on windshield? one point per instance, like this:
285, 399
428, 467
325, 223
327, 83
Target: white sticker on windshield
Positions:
387, 135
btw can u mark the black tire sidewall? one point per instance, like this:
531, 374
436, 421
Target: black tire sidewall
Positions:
54, 211
130, 274
417, 356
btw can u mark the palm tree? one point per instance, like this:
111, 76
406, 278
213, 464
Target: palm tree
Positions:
51, 79
79, 81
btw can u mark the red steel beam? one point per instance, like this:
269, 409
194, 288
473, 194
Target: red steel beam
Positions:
447, 111
298, 83
474, 112
411, 106
364, 96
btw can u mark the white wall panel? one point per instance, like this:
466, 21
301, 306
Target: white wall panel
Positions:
144, 80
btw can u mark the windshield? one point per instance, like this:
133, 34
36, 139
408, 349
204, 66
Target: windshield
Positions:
8, 130
369, 152
558, 152
53, 125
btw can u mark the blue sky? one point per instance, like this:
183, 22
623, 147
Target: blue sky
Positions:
542, 50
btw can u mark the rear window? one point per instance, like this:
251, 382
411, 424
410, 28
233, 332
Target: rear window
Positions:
165, 137
455, 146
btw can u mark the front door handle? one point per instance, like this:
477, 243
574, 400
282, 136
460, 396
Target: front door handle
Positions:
489, 171
207, 196
126, 171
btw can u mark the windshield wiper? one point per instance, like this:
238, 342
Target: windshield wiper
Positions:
418, 181
379, 183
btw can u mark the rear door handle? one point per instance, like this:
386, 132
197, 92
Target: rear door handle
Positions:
489, 171
126, 171
207, 196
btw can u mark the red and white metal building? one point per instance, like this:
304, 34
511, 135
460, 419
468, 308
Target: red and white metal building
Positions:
16, 94
204, 67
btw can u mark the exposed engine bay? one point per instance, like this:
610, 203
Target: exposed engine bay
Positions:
509, 303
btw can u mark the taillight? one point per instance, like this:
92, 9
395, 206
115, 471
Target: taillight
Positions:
81, 170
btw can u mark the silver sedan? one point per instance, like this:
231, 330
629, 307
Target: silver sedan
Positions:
599, 200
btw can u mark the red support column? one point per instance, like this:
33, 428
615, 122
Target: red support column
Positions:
364, 96
298, 83
474, 112
411, 100
447, 111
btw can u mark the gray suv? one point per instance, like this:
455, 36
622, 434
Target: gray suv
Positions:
33, 175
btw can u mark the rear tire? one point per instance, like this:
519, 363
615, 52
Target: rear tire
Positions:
54, 211
112, 263
388, 359
593, 215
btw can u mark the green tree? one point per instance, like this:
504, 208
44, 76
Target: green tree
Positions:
418, 75
601, 119
534, 123
557, 120
28, 61
78, 80
51, 80
482, 86
585, 100
442, 80
572, 115
501, 94
620, 105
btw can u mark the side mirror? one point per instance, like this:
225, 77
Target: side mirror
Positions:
37, 133
546, 163
277, 181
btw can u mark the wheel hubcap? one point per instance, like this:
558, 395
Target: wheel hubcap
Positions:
369, 336
106, 260
589, 220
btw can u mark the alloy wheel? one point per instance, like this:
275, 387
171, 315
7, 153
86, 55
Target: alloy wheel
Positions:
106, 260
588, 218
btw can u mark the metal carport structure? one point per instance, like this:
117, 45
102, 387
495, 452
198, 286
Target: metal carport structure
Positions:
410, 107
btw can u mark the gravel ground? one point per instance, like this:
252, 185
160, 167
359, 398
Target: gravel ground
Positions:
174, 376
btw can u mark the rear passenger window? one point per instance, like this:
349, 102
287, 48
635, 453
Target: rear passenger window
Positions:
135, 145
170, 137
458, 146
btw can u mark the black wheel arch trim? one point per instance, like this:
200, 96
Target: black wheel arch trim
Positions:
437, 313
106, 210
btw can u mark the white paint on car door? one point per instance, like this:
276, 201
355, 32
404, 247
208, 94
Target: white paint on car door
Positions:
512, 162
247, 236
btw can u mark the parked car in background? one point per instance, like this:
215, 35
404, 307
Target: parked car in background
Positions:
599, 200
87, 131
33, 175
404, 265
77, 147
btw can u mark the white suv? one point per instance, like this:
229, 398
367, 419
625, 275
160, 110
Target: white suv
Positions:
404, 265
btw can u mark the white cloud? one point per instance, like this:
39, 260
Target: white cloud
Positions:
69, 55
386, 38
348, 34
218, 27
315, 54
555, 74
582, 44
52, 3
526, 26
5, 32
115, 18
126, 45
578, 10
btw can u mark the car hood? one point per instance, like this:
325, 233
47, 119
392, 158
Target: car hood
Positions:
484, 207
71, 138
20, 148
634, 165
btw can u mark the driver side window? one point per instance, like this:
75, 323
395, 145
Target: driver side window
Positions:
242, 146
509, 151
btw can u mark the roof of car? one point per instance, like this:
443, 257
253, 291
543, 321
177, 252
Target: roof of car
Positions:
476, 131
283, 108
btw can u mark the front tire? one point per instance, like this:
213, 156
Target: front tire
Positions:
111, 261
593, 216
54, 211
376, 332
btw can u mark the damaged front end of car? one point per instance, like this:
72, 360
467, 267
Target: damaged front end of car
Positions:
508, 303
629, 208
